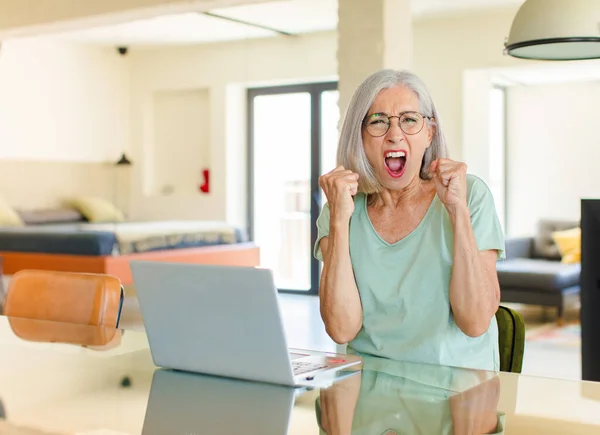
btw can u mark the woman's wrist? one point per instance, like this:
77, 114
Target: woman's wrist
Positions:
458, 212
337, 224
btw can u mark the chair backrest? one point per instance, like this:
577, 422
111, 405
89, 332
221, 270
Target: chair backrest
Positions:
2, 290
511, 339
92, 337
68, 297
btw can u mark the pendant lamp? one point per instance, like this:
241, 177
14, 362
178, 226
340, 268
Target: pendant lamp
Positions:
556, 30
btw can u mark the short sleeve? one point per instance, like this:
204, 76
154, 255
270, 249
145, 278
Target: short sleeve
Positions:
322, 231
484, 218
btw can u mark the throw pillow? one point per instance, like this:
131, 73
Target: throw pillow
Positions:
543, 243
569, 244
97, 209
9, 216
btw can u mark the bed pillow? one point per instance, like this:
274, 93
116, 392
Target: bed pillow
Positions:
96, 209
9, 216
51, 216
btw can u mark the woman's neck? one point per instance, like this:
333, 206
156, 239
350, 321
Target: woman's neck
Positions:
394, 199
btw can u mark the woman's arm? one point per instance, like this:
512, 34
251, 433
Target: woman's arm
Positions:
475, 411
341, 309
338, 404
474, 287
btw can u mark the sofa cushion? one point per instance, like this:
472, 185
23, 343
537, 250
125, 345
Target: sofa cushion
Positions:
518, 247
537, 274
543, 243
569, 244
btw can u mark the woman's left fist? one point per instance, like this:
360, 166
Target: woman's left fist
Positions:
450, 179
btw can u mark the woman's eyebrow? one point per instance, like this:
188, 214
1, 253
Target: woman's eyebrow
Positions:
387, 114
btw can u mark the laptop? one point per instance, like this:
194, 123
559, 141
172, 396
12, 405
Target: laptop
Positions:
190, 403
224, 321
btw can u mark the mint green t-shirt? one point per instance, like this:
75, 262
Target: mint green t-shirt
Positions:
404, 287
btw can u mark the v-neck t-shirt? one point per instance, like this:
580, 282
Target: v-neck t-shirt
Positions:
404, 286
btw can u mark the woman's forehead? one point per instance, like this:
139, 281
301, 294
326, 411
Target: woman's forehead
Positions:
395, 100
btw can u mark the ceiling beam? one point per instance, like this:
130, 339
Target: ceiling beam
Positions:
32, 17
247, 23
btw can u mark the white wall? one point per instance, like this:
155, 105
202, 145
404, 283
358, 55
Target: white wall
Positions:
444, 48
447, 47
224, 69
62, 102
553, 152
181, 147
69, 102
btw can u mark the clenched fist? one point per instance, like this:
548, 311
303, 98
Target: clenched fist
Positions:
340, 185
450, 179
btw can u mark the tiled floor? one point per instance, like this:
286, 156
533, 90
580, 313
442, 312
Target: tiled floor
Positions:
304, 329
549, 359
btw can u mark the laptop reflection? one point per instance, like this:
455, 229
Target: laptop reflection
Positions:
189, 403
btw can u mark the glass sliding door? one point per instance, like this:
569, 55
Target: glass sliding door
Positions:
292, 129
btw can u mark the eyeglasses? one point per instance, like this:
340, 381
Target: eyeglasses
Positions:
410, 123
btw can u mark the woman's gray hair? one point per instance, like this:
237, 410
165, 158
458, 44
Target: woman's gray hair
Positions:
351, 153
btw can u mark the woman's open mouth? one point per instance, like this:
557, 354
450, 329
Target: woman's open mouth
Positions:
395, 162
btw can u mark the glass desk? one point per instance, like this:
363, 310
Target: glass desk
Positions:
103, 382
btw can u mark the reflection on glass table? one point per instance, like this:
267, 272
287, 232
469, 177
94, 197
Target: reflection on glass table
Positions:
53, 383
392, 398
188, 403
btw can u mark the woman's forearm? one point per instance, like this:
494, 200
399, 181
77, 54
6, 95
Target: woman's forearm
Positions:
341, 308
474, 297
338, 404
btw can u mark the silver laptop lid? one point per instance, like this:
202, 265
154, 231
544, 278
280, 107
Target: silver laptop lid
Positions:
220, 320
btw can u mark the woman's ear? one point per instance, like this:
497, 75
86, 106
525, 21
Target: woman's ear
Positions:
432, 130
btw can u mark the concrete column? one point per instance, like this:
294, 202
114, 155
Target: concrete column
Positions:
372, 35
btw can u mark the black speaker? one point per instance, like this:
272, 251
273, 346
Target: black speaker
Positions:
590, 289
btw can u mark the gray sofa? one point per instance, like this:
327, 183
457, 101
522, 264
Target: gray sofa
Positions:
533, 273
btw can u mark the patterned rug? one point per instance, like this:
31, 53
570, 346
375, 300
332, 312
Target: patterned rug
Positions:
565, 336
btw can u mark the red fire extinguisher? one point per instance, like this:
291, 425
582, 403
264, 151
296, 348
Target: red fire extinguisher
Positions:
205, 186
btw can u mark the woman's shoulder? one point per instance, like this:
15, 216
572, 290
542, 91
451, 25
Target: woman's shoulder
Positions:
476, 188
474, 181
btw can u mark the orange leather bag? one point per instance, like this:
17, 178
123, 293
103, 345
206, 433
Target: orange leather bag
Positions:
60, 301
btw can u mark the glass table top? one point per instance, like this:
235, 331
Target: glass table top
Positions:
73, 379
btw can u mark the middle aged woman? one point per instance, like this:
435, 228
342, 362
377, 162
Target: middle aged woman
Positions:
409, 241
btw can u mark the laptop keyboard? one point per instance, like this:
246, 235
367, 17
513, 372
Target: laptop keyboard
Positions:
300, 367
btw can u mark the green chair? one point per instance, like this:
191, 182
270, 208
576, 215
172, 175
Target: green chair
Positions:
511, 338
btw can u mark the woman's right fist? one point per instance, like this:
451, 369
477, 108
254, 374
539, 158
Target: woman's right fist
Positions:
340, 185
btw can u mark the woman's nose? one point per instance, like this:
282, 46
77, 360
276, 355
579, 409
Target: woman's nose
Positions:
395, 133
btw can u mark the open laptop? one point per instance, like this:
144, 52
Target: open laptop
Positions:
224, 321
189, 403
